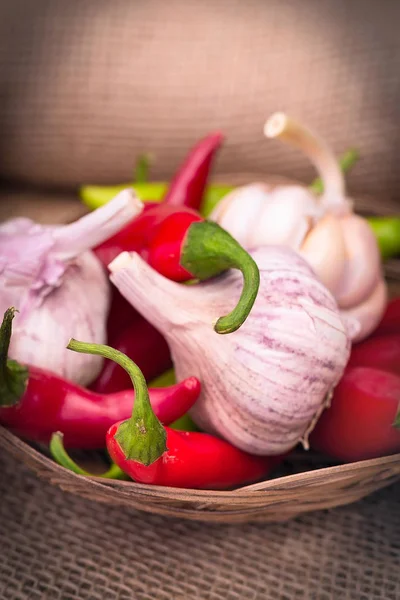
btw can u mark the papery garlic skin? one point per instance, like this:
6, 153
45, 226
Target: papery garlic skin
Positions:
339, 245
259, 212
59, 287
264, 384
75, 306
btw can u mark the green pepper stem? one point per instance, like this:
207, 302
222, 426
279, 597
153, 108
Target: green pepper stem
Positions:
208, 250
60, 455
13, 376
142, 167
142, 437
346, 163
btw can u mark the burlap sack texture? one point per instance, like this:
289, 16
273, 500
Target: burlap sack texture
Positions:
59, 547
85, 86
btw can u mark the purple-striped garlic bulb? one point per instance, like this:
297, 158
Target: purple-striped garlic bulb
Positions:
265, 384
339, 245
60, 287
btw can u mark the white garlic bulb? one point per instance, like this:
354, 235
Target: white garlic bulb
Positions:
59, 287
339, 245
263, 385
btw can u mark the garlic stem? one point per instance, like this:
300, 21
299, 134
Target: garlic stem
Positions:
97, 226
279, 125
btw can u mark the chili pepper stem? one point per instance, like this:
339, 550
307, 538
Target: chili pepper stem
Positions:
60, 455
396, 422
208, 250
13, 376
142, 437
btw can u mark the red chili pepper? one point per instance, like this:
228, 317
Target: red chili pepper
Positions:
120, 316
390, 322
363, 420
150, 453
185, 191
381, 352
35, 403
193, 460
189, 183
143, 344
182, 246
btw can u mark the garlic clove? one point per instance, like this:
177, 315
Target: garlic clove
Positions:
286, 217
238, 212
257, 215
362, 267
368, 313
324, 249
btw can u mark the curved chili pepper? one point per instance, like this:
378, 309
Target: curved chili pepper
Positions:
186, 247
150, 453
181, 245
35, 403
188, 184
363, 420
187, 187
193, 460
143, 344
137, 235
58, 452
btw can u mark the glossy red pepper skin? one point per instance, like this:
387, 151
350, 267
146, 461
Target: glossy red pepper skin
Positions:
166, 246
188, 185
138, 235
52, 404
121, 315
194, 460
381, 352
360, 421
185, 193
143, 344
390, 322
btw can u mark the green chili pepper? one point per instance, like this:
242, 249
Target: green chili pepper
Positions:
94, 196
387, 233
60, 455
141, 174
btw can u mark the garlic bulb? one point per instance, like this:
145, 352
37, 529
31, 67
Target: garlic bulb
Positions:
265, 384
59, 286
339, 245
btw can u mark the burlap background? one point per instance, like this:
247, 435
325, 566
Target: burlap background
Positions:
84, 86
57, 547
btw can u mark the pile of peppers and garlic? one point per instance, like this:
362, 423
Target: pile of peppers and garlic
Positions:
138, 414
